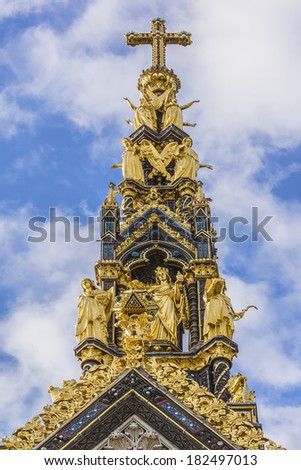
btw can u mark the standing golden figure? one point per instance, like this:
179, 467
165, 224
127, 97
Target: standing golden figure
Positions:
173, 112
170, 302
131, 163
111, 196
94, 311
144, 114
187, 161
219, 314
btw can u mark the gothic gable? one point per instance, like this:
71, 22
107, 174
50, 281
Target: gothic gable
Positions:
135, 393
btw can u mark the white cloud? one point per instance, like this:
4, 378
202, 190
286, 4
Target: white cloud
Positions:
12, 117
283, 423
82, 70
37, 333
20, 7
248, 62
75, 72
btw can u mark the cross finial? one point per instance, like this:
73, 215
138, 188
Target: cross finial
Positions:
158, 39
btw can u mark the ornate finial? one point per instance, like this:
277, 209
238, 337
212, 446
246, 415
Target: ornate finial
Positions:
158, 39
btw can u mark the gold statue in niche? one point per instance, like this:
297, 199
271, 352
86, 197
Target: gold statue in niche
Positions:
219, 315
187, 161
94, 311
170, 301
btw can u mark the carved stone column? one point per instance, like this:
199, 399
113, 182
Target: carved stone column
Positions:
194, 315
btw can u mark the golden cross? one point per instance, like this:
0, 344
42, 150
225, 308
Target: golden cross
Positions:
158, 39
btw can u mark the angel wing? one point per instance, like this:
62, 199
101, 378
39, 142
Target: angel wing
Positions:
150, 152
157, 101
169, 152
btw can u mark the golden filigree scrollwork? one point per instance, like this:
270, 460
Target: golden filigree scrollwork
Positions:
67, 400
219, 315
237, 427
94, 310
271, 445
157, 81
221, 349
26, 437
105, 269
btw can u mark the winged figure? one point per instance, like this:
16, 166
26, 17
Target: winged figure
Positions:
159, 161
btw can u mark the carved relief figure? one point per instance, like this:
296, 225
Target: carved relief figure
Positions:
187, 161
94, 311
168, 298
219, 314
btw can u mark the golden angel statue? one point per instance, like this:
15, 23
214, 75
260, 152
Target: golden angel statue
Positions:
187, 161
219, 315
170, 302
144, 114
131, 162
94, 311
173, 112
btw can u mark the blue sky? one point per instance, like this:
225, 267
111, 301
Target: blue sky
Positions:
64, 70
